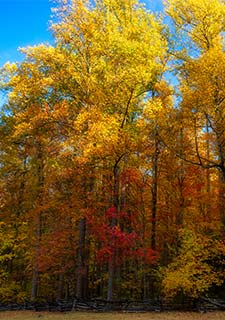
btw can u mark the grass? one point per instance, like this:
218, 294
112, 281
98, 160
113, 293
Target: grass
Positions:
27, 315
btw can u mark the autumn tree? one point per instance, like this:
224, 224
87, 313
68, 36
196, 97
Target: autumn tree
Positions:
202, 80
105, 40
112, 179
90, 113
194, 271
200, 114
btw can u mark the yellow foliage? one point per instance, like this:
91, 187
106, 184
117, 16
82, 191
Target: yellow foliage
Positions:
203, 19
191, 272
99, 133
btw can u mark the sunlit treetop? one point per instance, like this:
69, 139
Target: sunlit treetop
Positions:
203, 20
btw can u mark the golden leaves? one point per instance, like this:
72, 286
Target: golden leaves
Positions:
191, 273
98, 134
203, 20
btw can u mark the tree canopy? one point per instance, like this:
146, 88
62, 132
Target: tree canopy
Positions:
112, 176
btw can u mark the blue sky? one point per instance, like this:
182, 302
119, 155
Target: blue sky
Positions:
22, 23
26, 22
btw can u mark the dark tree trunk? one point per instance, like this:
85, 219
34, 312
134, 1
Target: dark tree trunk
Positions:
111, 266
222, 197
81, 263
154, 193
38, 220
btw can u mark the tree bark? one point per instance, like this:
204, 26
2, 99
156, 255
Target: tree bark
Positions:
38, 220
222, 197
81, 267
154, 193
111, 266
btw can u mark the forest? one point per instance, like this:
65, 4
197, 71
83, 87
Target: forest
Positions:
112, 155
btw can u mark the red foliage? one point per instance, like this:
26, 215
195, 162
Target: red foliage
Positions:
114, 241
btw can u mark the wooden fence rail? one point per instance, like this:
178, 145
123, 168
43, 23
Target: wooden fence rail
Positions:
99, 305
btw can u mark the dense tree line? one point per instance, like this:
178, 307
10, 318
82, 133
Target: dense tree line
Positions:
112, 179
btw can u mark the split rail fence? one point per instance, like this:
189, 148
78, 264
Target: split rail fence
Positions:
100, 305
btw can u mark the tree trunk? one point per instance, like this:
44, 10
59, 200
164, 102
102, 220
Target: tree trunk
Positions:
60, 287
81, 268
111, 266
35, 274
154, 193
208, 184
222, 197
38, 220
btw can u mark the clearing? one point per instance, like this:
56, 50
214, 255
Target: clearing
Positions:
28, 315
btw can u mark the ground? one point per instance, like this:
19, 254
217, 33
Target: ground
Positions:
27, 315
